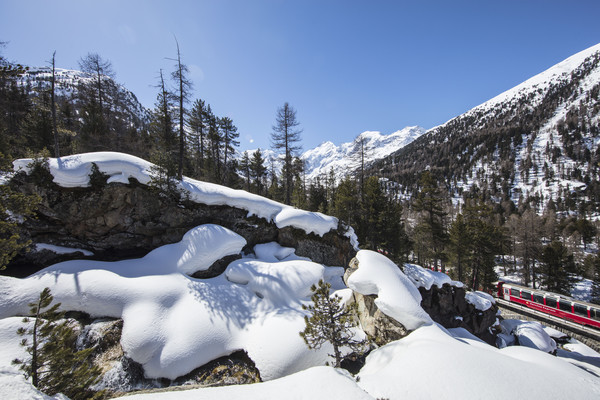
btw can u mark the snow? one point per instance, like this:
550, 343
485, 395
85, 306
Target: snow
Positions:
397, 297
528, 334
343, 158
480, 300
425, 278
174, 323
313, 383
73, 171
61, 249
430, 363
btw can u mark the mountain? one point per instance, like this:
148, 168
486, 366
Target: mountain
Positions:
68, 82
345, 157
536, 142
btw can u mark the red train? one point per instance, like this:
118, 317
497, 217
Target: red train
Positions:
551, 303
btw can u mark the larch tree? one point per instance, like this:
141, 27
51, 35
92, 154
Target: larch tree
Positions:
329, 320
184, 88
286, 136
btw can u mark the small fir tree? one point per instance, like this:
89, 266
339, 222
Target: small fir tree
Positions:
55, 365
331, 321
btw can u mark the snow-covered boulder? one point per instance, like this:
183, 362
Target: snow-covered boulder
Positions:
124, 217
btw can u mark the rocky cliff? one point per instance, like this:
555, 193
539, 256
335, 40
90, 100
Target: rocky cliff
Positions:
118, 221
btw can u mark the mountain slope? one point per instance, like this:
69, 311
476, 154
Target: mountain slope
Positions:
345, 157
537, 141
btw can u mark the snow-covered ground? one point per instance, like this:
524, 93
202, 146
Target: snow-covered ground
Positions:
173, 323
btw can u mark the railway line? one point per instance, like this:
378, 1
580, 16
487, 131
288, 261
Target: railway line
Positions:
589, 336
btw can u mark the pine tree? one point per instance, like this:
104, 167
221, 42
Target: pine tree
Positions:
285, 136
483, 237
244, 168
558, 267
458, 246
258, 170
197, 123
595, 297
430, 232
330, 321
229, 133
12, 204
55, 365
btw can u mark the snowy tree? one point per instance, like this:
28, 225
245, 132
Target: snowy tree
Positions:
331, 321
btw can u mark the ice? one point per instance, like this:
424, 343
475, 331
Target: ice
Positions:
397, 297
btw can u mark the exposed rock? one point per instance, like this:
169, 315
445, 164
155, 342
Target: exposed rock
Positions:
448, 307
217, 268
380, 328
119, 221
234, 369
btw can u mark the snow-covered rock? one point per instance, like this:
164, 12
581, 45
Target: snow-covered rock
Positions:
397, 297
74, 171
174, 323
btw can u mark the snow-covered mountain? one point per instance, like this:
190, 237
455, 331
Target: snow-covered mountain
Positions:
345, 158
538, 141
68, 84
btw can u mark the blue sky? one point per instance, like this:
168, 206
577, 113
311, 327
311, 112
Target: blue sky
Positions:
346, 66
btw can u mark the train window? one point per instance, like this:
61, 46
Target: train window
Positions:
538, 298
595, 313
551, 302
580, 309
514, 292
525, 295
565, 305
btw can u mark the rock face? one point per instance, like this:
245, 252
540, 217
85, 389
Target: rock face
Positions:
380, 328
118, 221
448, 307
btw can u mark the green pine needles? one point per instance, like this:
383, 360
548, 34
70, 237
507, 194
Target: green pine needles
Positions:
55, 365
331, 321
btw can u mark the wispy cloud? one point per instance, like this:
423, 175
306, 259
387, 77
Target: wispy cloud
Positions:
128, 34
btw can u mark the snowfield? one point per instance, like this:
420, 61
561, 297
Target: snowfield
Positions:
174, 323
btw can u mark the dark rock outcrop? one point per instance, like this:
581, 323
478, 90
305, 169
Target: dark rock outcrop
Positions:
448, 307
119, 221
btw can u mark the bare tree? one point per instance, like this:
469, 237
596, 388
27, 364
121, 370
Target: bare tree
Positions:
183, 92
53, 105
93, 64
285, 135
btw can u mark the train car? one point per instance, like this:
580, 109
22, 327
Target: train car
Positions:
551, 303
